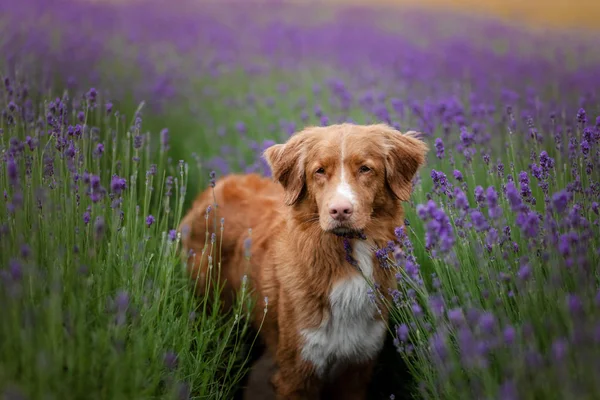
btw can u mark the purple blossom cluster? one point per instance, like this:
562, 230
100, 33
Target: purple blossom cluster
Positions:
512, 295
70, 247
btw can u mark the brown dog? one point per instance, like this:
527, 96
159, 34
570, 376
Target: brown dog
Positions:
337, 198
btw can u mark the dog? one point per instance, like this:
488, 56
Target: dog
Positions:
335, 196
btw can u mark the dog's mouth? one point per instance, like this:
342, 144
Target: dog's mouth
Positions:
347, 232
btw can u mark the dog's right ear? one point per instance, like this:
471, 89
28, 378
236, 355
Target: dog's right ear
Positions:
287, 166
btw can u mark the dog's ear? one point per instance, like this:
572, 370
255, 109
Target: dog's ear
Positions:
287, 166
405, 153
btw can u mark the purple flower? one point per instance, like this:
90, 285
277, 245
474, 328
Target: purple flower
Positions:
508, 391
95, 181
122, 301
461, 202
118, 184
466, 137
559, 349
99, 149
150, 220
172, 235
492, 237
439, 146
492, 197
574, 304
417, 310
500, 169
170, 360
494, 211
524, 272
513, 197
560, 201
25, 251
564, 244
440, 181
487, 322
546, 162
479, 194
439, 230
213, 177
456, 316
479, 221
15, 268
99, 227
402, 332
86, 217
92, 94
581, 117
13, 175
240, 127
524, 182
458, 175
438, 345
529, 223
138, 140
121, 305
109, 107
509, 334
585, 147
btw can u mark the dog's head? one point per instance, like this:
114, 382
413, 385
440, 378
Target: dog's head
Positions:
344, 175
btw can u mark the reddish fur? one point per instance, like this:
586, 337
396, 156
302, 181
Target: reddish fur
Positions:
294, 261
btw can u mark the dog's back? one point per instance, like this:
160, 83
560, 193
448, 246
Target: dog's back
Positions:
244, 202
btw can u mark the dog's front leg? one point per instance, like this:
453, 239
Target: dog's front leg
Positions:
294, 378
351, 384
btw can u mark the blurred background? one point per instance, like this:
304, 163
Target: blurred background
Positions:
561, 14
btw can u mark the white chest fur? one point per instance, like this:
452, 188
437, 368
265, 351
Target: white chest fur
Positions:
350, 332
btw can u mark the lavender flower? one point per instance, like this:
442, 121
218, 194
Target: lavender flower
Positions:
513, 197
479, 195
439, 146
560, 200
479, 221
13, 175
402, 332
170, 360
99, 227
458, 175
99, 149
138, 140
150, 220
439, 230
524, 272
118, 184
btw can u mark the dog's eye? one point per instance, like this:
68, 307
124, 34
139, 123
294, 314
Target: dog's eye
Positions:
364, 169
320, 171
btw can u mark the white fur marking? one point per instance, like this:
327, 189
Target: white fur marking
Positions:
351, 332
344, 188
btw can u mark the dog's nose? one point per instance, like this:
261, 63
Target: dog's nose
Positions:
341, 210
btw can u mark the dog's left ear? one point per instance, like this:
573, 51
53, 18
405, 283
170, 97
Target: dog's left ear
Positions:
287, 165
405, 154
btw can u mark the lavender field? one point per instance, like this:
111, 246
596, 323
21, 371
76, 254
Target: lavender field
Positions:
113, 117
